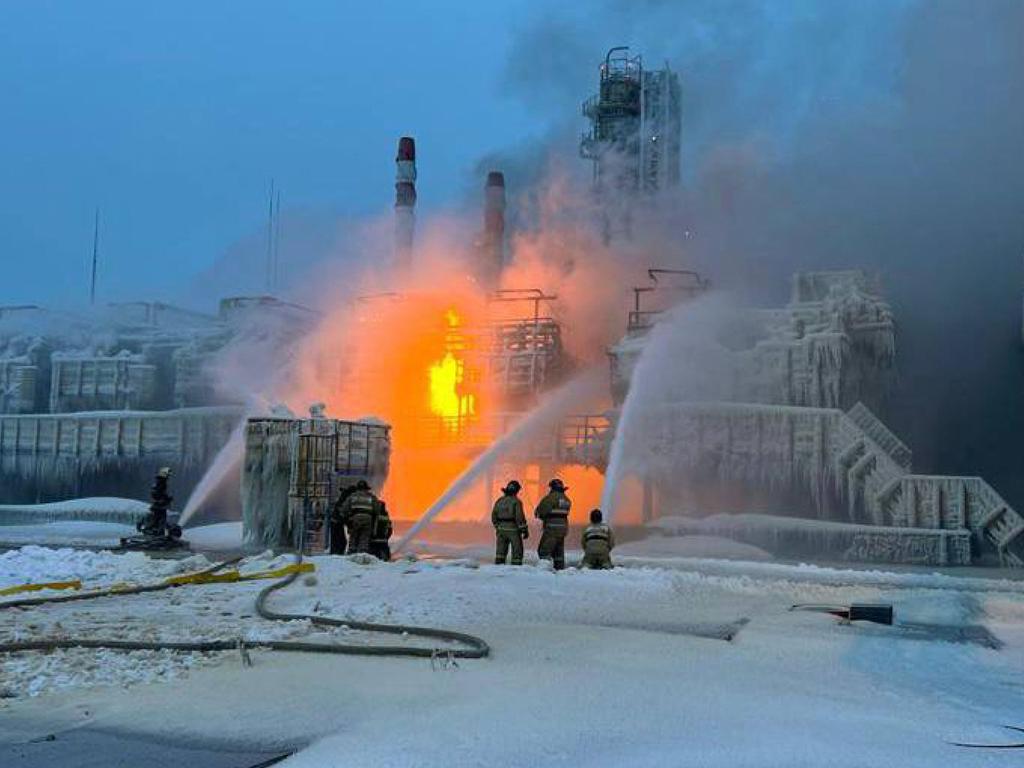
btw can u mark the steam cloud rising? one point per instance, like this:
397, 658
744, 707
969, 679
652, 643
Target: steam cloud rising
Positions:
882, 135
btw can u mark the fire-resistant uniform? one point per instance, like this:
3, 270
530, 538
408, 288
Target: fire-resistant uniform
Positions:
155, 523
357, 511
339, 539
553, 511
510, 528
598, 542
380, 533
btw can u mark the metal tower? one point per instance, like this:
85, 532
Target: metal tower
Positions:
636, 126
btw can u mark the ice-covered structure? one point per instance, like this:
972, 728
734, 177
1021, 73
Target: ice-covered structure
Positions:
295, 468
48, 456
820, 463
832, 346
789, 430
94, 401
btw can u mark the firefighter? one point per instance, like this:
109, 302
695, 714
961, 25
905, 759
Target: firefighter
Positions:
357, 511
598, 541
155, 523
509, 523
339, 541
553, 512
380, 533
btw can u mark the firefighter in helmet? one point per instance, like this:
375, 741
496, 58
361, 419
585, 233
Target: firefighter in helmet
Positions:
155, 523
598, 541
509, 521
553, 512
338, 537
358, 511
380, 533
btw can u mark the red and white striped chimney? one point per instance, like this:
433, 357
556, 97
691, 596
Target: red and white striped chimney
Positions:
405, 201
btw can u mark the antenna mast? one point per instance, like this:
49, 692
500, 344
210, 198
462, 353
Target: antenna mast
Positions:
277, 239
270, 241
95, 256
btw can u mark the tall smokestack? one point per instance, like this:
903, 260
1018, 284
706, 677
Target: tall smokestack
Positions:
405, 201
494, 229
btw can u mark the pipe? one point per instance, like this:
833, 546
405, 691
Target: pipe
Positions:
405, 201
493, 256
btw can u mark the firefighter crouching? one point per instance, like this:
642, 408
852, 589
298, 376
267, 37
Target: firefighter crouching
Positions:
509, 523
358, 512
598, 541
553, 512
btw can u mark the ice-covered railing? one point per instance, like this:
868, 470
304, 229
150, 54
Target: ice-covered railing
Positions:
881, 434
949, 501
823, 450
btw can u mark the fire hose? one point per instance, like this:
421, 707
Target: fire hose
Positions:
473, 647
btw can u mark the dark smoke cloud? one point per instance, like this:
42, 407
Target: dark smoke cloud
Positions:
817, 135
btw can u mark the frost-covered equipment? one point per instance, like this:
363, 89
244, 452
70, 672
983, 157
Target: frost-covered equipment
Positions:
18, 384
826, 455
666, 289
101, 383
295, 468
56, 456
833, 345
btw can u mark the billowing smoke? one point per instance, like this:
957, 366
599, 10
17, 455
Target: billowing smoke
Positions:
882, 135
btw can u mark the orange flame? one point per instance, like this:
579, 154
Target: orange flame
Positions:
415, 356
447, 380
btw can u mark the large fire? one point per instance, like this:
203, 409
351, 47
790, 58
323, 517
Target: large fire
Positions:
414, 351
410, 360
449, 398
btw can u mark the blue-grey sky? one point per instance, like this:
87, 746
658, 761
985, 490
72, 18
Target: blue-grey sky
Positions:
173, 117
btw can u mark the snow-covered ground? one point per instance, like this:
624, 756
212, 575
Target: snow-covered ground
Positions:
71, 533
110, 509
588, 668
217, 537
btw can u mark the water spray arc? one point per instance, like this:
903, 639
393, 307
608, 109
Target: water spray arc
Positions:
550, 409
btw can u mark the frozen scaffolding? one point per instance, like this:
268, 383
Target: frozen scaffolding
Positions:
294, 470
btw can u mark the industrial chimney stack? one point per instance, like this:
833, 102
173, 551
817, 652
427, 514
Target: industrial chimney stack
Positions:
494, 229
405, 201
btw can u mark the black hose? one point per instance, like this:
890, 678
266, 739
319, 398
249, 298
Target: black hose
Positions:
476, 648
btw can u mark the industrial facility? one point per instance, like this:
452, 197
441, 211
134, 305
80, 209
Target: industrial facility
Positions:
567, 384
426, 381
